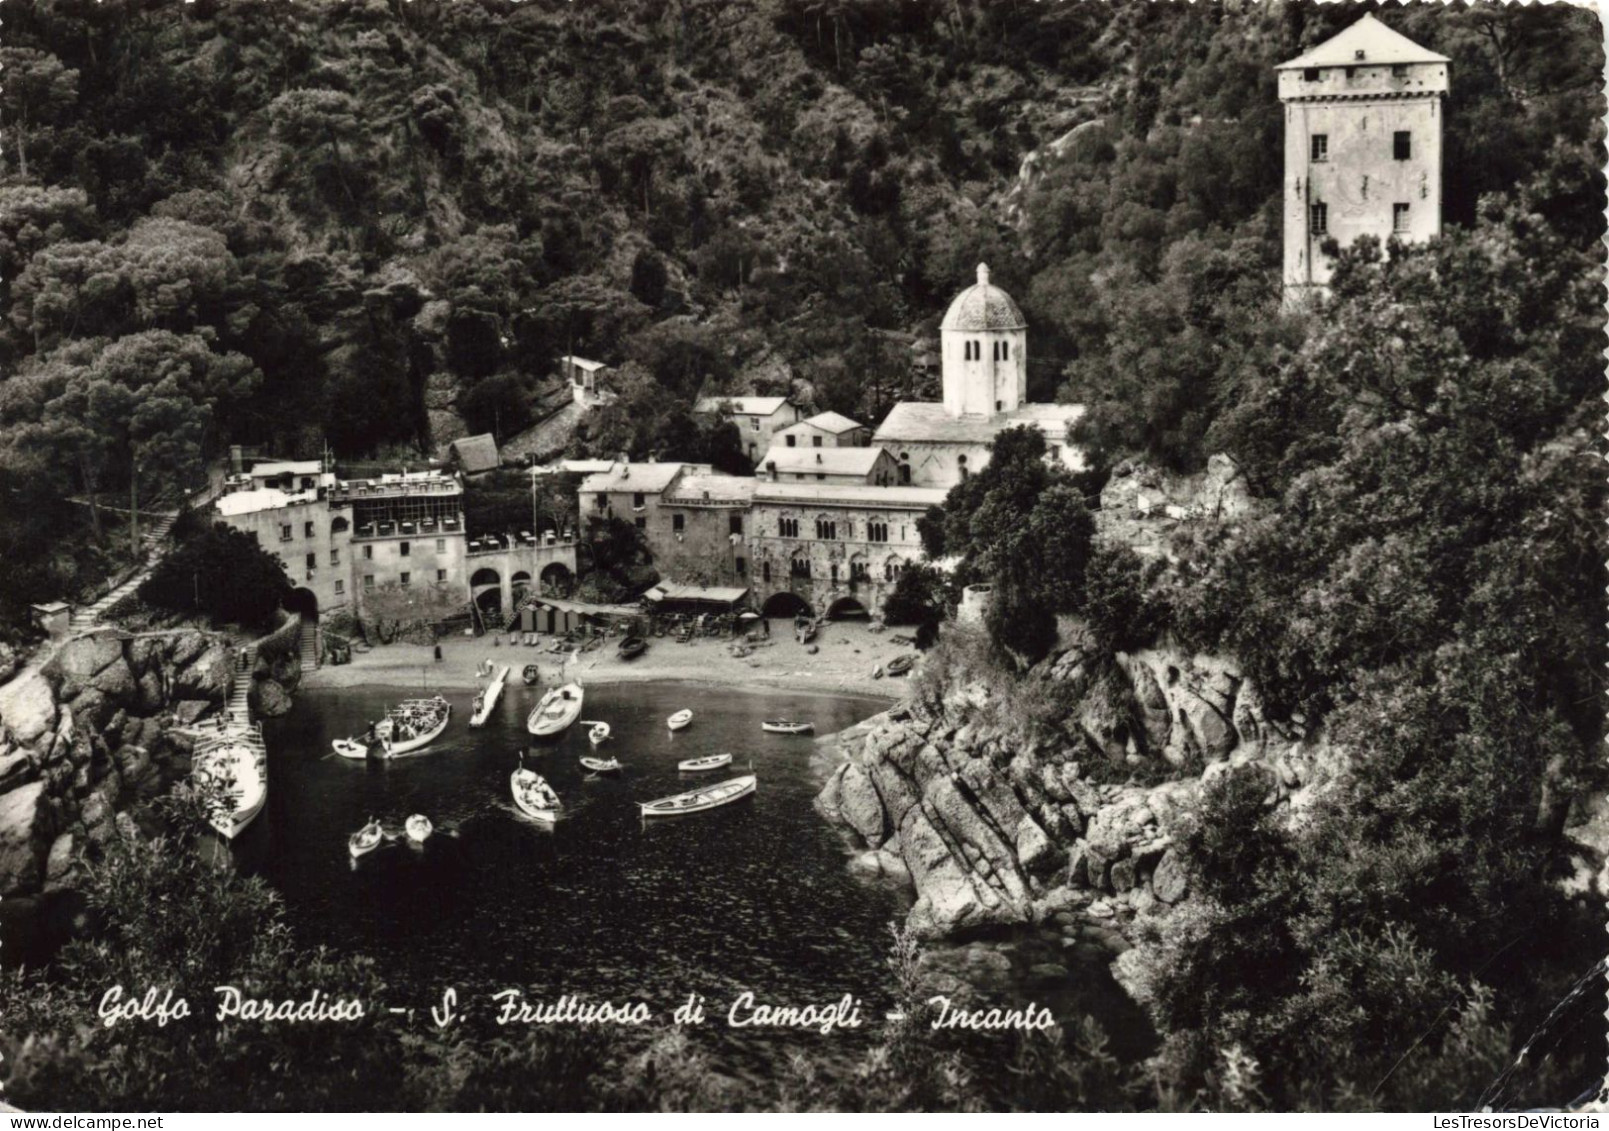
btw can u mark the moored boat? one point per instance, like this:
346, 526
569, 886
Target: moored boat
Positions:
899, 665
533, 795
351, 747
599, 732
601, 765
787, 726
632, 647
366, 839
418, 827
701, 800
486, 700
530, 675
238, 764
700, 765
679, 720
558, 709
410, 725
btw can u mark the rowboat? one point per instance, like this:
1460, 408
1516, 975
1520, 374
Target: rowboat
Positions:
598, 734
601, 765
533, 795
351, 747
899, 665
787, 726
699, 765
805, 634
366, 839
679, 720
632, 647
238, 764
699, 800
558, 709
418, 827
530, 675
488, 696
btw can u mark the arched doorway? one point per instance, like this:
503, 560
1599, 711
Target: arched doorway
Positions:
486, 589
557, 580
847, 608
786, 605
303, 601
519, 585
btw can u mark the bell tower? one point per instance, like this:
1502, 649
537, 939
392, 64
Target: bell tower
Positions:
984, 343
1363, 140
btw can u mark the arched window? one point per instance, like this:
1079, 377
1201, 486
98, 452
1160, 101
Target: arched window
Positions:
961, 466
339, 525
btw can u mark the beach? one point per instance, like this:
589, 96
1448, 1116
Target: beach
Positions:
847, 654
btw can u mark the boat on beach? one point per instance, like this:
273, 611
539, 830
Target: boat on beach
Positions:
632, 647
487, 698
701, 800
700, 765
601, 765
531, 674
418, 828
899, 665
679, 720
237, 762
787, 726
366, 839
557, 710
533, 795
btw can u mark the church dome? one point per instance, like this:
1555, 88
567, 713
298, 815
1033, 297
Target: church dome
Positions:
983, 307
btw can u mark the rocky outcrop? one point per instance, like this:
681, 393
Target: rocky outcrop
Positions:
1147, 509
85, 736
1067, 818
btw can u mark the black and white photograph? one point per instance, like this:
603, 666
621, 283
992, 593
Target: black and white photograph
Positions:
803, 556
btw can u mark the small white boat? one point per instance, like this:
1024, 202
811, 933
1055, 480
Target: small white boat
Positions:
366, 839
599, 733
787, 726
679, 720
699, 765
418, 827
533, 795
700, 800
351, 747
601, 765
558, 709
238, 764
488, 696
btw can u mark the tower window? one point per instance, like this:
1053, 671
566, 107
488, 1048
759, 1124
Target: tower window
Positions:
1319, 219
676, 522
1319, 147
1399, 218
1005, 351
1401, 146
1311, 74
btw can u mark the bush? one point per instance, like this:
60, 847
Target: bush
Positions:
223, 574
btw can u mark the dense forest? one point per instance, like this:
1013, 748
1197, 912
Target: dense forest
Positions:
371, 224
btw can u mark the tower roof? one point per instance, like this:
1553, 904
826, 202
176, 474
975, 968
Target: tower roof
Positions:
983, 307
1367, 41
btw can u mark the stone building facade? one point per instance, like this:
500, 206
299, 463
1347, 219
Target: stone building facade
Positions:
1363, 147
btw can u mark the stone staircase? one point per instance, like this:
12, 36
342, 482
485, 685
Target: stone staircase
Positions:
309, 637
237, 711
153, 543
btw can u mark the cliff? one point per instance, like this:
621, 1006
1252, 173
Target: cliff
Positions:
1055, 801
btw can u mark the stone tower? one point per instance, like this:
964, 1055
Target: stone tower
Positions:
1363, 117
984, 342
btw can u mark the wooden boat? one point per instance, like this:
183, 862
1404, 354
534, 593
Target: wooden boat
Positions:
599, 733
679, 720
410, 725
899, 665
238, 763
487, 699
533, 795
351, 747
558, 709
699, 765
531, 675
700, 800
805, 633
366, 839
787, 726
418, 827
601, 765
632, 647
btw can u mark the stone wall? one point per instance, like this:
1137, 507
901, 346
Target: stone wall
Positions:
84, 737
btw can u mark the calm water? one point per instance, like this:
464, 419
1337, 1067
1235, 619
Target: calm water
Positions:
753, 896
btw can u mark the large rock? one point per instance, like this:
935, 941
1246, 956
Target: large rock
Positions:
81, 659
881, 864
204, 677
150, 693
269, 699
189, 710
27, 707
16, 767
59, 862
860, 806
1035, 852
10, 661
1170, 882
25, 829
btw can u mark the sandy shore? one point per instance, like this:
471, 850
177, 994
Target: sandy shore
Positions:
848, 653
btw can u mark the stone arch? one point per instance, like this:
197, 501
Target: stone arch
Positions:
786, 604
557, 578
845, 608
339, 525
905, 469
484, 576
519, 585
303, 601
892, 567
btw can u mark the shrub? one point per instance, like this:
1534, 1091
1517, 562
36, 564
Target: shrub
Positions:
223, 574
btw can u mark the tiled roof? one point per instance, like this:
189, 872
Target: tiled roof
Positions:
649, 478
834, 422
1378, 43
721, 595
843, 494
475, 453
583, 363
828, 461
743, 406
916, 421
711, 488
983, 307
